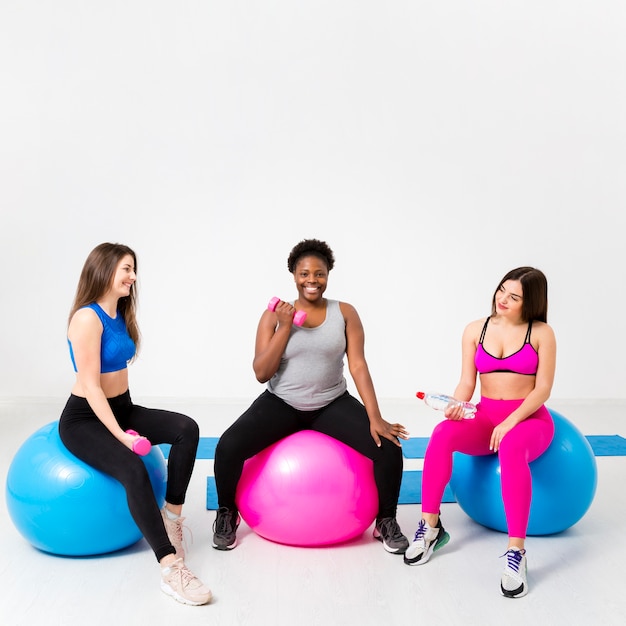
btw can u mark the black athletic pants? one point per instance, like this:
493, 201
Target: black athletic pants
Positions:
87, 437
270, 419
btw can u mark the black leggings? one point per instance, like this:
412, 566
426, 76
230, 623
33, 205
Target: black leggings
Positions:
270, 419
89, 439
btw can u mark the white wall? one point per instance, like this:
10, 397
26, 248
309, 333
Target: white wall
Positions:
434, 145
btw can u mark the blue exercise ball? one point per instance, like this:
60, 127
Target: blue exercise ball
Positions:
63, 506
564, 480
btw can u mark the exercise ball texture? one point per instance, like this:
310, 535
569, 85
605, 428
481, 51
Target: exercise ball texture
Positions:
564, 480
63, 506
308, 490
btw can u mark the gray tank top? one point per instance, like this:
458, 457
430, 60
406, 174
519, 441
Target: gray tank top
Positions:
310, 374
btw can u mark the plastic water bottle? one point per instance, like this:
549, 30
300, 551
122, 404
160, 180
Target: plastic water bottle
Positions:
441, 402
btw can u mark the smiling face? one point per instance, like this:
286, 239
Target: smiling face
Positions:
509, 299
124, 277
311, 277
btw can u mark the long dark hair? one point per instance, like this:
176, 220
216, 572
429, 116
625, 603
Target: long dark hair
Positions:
534, 296
96, 278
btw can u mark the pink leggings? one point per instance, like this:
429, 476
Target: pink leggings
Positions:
521, 445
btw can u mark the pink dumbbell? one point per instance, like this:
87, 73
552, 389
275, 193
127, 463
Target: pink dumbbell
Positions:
141, 446
298, 317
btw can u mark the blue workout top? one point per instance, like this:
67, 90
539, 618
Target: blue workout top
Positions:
116, 348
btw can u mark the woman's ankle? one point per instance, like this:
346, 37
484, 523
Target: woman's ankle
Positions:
432, 519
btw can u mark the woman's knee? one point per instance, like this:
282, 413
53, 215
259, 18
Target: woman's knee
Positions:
388, 452
443, 435
228, 445
178, 430
514, 449
527, 440
190, 430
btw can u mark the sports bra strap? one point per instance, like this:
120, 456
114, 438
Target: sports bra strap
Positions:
530, 325
484, 330
482, 334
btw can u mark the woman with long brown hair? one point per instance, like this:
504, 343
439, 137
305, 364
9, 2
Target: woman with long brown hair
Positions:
103, 337
513, 353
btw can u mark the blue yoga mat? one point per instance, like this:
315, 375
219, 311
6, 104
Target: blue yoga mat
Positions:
411, 487
410, 490
607, 445
415, 448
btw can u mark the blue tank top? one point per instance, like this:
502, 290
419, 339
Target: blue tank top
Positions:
116, 348
310, 374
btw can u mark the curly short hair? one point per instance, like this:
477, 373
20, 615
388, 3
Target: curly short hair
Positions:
311, 247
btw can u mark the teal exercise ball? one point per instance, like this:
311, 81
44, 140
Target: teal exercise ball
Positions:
564, 480
63, 506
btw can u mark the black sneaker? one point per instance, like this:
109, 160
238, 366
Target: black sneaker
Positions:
388, 531
225, 529
427, 540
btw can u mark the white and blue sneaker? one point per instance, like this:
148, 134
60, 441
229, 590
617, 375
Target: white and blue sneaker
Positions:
427, 540
513, 583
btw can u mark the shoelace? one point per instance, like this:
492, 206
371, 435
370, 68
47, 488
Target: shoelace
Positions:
178, 532
223, 523
421, 530
392, 528
186, 575
514, 559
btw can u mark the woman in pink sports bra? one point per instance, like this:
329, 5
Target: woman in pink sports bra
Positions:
514, 352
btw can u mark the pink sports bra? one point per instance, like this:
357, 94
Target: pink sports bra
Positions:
525, 361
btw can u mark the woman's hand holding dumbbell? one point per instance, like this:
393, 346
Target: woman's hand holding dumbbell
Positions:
298, 316
141, 445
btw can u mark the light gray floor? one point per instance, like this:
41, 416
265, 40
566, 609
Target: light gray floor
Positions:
575, 577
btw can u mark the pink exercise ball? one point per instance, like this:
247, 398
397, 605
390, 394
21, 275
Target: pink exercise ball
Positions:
308, 489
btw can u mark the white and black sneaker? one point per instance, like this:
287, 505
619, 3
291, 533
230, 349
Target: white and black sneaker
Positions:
427, 540
513, 583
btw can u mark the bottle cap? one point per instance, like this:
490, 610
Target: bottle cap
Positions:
420, 395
